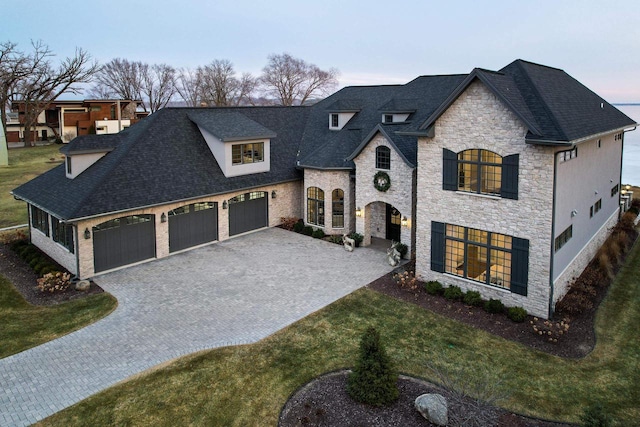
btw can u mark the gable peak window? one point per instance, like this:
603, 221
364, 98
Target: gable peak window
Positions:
335, 122
383, 157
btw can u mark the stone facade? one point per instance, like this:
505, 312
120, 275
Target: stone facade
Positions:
327, 181
285, 204
477, 119
399, 195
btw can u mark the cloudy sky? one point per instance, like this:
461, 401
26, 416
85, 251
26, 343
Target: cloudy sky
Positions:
369, 42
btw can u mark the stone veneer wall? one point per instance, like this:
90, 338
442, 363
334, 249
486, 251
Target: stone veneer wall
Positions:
327, 181
56, 251
399, 195
477, 119
579, 263
286, 204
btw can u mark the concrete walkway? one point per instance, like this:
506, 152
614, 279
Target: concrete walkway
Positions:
234, 292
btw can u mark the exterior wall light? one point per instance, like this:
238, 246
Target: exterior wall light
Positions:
627, 187
224, 205
87, 233
273, 194
404, 221
574, 213
358, 212
163, 217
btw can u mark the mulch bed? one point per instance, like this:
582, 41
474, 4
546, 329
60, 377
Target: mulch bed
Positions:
24, 279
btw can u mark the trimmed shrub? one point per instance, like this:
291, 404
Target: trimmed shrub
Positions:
494, 306
298, 226
403, 249
434, 287
335, 238
35, 261
517, 314
307, 230
357, 237
453, 293
473, 298
47, 269
288, 222
317, 234
373, 380
596, 416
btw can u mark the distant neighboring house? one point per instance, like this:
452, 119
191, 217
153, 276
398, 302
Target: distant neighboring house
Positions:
68, 119
502, 182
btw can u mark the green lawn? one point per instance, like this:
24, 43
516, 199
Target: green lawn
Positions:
25, 325
248, 385
24, 164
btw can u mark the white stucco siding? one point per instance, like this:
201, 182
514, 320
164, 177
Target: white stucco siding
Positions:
328, 181
82, 162
580, 183
478, 120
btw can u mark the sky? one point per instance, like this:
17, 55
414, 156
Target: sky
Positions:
369, 42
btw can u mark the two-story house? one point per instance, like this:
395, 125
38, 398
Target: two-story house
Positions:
503, 182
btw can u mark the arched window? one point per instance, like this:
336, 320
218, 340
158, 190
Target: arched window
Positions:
383, 157
315, 206
337, 208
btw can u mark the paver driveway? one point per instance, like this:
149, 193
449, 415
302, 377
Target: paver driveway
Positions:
234, 292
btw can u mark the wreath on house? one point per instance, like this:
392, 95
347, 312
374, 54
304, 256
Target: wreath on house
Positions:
381, 181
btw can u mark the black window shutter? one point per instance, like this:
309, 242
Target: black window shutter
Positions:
519, 266
449, 170
510, 165
437, 246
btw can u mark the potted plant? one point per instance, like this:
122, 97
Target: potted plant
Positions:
357, 237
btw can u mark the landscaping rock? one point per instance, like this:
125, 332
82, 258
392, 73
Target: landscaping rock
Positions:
83, 285
433, 407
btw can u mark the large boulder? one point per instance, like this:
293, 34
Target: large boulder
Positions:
433, 407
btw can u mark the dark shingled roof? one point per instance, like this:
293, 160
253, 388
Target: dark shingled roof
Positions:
163, 158
230, 125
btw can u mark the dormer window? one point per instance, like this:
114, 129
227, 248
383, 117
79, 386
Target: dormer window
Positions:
334, 120
247, 153
388, 118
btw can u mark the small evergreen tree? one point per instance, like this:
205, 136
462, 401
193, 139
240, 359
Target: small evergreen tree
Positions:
373, 380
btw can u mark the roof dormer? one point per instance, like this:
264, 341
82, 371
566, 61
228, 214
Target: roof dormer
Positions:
338, 120
398, 110
341, 111
240, 145
83, 151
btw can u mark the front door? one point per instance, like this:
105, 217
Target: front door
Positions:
393, 224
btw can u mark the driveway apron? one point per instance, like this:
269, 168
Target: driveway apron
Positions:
233, 292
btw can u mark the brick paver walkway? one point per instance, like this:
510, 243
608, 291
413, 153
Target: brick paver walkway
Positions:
234, 292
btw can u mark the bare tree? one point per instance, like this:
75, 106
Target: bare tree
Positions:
44, 83
158, 85
221, 87
120, 78
189, 86
293, 81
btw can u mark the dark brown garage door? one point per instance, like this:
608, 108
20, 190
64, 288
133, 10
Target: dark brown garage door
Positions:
123, 241
248, 212
193, 225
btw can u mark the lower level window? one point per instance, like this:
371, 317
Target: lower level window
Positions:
63, 234
315, 206
337, 209
478, 255
40, 220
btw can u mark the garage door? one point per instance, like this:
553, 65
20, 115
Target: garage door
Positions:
193, 225
123, 241
248, 212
